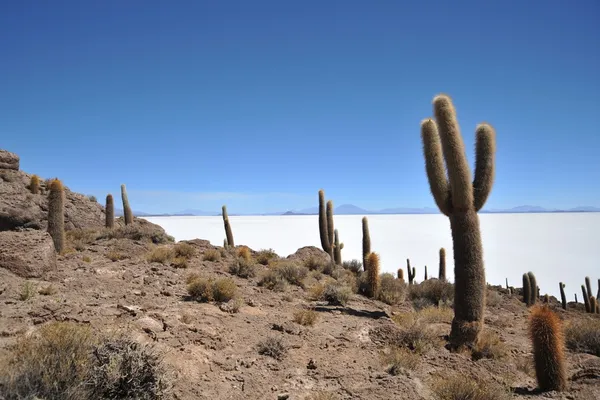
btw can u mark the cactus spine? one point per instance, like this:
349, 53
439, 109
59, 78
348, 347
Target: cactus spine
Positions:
228, 234
128, 215
548, 349
411, 272
366, 241
526, 290
373, 274
460, 199
563, 298
34, 184
401, 274
442, 271
586, 299
56, 215
110, 212
533, 288
337, 248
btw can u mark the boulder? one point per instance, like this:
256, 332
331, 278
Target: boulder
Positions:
28, 253
9, 160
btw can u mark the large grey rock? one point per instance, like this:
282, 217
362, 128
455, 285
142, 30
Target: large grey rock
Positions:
9, 160
28, 253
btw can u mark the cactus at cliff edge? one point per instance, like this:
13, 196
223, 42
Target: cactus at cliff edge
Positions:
533, 288
228, 233
460, 199
411, 272
588, 288
526, 290
34, 184
110, 212
56, 214
127, 214
586, 299
442, 270
373, 274
366, 241
563, 297
545, 330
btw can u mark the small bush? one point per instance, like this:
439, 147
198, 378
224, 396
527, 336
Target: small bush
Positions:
462, 387
433, 291
243, 267
272, 347
224, 289
292, 272
93, 198
87, 259
137, 231
315, 264
28, 290
180, 262
336, 294
211, 255
205, 290
265, 256
398, 359
48, 290
305, 317
346, 278
489, 346
272, 280
354, 266
416, 336
435, 315
583, 336
233, 306
493, 298
244, 252
161, 254
200, 289
391, 290
184, 250
114, 255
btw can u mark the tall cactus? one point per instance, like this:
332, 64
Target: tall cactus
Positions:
56, 214
534, 291
425, 278
337, 248
366, 241
442, 270
110, 212
373, 275
546, 334
593, 303
228, 233
411, 272
460, 199
588, 288
324, 226
526, 290
401, 274
128, 215
563, 298
586, 299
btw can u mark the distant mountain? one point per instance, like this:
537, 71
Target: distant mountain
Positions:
349, 209
585, 209
405, 210
193, 211
119, 213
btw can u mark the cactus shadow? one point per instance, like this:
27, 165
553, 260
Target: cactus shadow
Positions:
352, 311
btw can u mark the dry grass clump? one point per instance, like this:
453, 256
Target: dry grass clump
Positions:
162, 254
79, 239
86, 259
137, 231
48, 290
211, 255
180, 262
272, 280
493, 298
64, 360
431, 291
354, 266
305, 317
28, 290
292, 272
435, 315
316, 264
398, 359
391, 290
114, 255
462, 387
265, 256
583, 335
245, 253
415, 334
184, 250
205, 290
489, 346
243, 267
335, 293
272, 347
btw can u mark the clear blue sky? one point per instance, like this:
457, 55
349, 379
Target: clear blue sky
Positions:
258, 104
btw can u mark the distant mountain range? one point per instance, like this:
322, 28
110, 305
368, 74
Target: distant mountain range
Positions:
350, 209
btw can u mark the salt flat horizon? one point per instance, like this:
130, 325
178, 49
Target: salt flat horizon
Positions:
556, 247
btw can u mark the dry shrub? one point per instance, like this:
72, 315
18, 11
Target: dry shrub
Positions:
414, 334
184, 250
583, 336
28, 290
87, 259
291, 272
211, 255
206, 290
272, 347
161, 254
180, 262
398, 359
114, 255
48, 290
316, 263
489, 346
493, 298
391, 290
224, 289
243, 267
433, 291
272, 280
265, 256
137, 231
232, 306
335, 293
354, 266
305, 317
463, 387
244, 252
200, 289
79, 239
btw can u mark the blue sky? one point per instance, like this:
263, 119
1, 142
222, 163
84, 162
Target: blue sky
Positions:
259, 104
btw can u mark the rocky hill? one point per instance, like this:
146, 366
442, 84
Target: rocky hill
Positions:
237, 323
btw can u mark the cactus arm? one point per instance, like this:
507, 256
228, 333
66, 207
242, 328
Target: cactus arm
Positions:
459, 174
323, 223
434, 166
330, 227
485, 150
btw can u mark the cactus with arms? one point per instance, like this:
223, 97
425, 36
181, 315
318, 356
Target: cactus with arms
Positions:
337, 248
411, 272
460, 199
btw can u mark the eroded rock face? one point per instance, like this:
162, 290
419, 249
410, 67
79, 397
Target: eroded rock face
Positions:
29, 253
9, 160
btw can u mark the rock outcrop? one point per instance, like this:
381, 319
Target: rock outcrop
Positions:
28, 253
9, 160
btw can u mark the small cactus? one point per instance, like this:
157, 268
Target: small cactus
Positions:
366, 241
337, 248
34, 184
110, 212
442, 271
127, 214
373, 275
411, 272
506, 279
56, 215
425, 273
586, 299
548, 349
228, 233
563, 298
401, 274
534, 290
576, 302
526, 290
